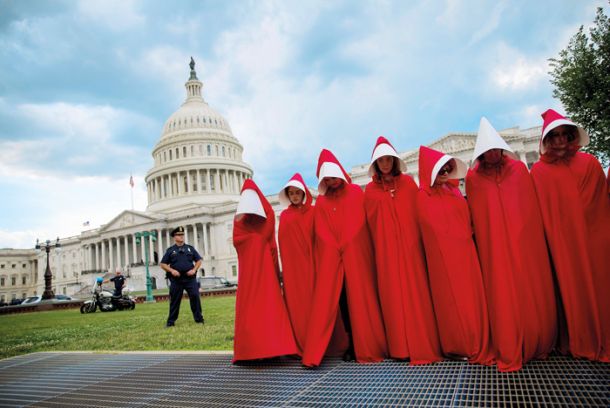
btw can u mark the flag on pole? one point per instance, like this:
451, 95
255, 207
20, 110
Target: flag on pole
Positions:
131, 183
86, 224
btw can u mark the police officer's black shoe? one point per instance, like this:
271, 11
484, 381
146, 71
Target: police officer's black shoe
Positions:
199, 321
169, 325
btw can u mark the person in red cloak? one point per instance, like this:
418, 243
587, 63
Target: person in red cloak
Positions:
573, 197
296, 250
345, 270
262, 327
453, 266
404, 294
512, 251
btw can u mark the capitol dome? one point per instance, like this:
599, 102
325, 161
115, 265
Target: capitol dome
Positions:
197, 160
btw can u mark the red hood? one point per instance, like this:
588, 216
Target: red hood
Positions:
326, 156
427, 159
249, 184
294, 181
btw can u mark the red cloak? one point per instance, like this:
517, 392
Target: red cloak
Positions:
514, 261
296, 250
453, 266
404, 293
262, 327
344, 256
575, 206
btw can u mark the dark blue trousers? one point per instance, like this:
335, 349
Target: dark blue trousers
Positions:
177, 287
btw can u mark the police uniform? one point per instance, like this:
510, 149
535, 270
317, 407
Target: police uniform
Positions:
182, 259
119, 282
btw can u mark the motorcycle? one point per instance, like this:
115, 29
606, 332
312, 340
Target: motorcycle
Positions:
106, 301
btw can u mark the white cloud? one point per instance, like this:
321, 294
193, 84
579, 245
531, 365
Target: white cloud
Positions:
64, 204
93, 123
529, 116
118, 15
513, 71
79, 135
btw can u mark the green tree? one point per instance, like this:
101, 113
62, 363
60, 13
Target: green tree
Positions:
581, 76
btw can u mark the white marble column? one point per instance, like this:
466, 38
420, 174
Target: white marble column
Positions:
180, 184
126, 246
195, 239
205, 239
142, 250
97, 256
103, 249
186, 234
110, 256
151, 250
163, 187
199, 189
135, 249
208, 186
168, 238
160, 250
118, 253
212, 240
217, 181
189, 188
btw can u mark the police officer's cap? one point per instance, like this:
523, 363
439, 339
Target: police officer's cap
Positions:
177, 230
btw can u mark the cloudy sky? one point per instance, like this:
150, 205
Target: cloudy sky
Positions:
85, 87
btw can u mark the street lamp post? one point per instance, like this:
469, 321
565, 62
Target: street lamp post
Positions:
48, 277
144, 235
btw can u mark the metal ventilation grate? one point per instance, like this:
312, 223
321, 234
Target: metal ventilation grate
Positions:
209, 380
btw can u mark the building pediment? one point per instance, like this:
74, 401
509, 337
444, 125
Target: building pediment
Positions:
455, 142
128, 218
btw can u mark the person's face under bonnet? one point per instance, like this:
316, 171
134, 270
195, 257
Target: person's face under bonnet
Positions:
560, 138
443, 174
492, 156
333, 183
385, 164
295, 195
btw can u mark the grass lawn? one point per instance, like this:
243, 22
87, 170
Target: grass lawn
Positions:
142, 329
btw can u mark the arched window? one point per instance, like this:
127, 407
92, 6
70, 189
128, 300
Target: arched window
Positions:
209, 150
170, 155
223, 151
184, 151
177, 153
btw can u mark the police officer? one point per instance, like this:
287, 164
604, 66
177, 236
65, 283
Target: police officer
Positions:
181, 262
119, 283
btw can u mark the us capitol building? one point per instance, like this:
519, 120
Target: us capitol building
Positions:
195, 182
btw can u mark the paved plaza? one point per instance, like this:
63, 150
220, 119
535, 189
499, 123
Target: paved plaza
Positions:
204, 379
